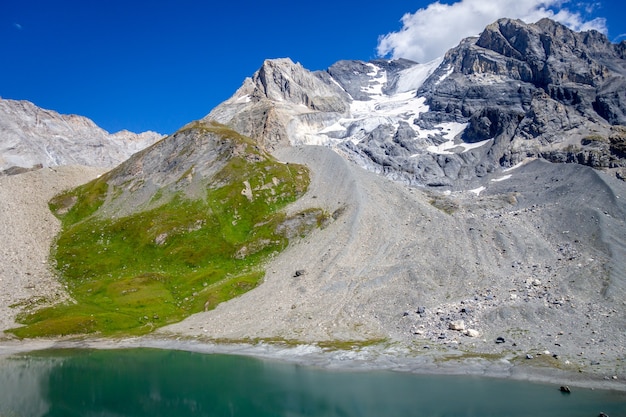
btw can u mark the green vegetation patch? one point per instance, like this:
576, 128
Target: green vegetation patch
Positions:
132, 274
332, 345
469, 355
444, 204
618, 141
327, 345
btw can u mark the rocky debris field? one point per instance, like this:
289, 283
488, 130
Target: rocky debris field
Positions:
27, 229
530, 267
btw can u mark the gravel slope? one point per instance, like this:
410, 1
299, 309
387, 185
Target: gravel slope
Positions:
27, 229
536, 259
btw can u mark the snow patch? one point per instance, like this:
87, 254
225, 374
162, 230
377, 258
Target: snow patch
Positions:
244, 99
478, 190
506, 177
513, 167
413, 78
468, 146
449, 71
449, 131
381, 109
379, 79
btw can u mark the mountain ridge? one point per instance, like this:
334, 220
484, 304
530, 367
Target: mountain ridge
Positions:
34, 137
483, 107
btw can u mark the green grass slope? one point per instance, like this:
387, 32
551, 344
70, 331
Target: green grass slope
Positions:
133, 264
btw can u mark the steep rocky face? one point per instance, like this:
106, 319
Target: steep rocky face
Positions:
355, 76
31, 136
537, 90
517, 91
280, 102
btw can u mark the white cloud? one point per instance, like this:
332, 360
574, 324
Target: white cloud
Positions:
430, 32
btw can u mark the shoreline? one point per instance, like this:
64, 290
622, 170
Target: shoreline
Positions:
372, 358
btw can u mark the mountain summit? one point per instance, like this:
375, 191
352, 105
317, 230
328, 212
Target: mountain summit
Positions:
515, 92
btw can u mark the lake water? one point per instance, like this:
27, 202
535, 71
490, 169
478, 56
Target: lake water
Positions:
152, 382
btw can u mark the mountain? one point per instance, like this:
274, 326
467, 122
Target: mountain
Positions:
31, 137
464, 236
515, 92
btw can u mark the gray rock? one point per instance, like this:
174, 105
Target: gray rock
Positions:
458, 325
529, 83
471, 333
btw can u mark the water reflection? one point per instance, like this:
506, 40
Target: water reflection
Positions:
150, 382
21, 382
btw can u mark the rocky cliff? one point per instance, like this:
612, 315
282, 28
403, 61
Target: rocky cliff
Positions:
537, 90
283, 104
515, 92
31, 136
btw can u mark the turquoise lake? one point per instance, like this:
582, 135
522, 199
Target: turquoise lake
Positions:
153, 382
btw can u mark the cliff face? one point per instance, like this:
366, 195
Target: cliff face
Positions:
31, 136
280, 103
517, 91
538, 90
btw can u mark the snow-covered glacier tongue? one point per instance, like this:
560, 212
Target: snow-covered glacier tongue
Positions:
383, 130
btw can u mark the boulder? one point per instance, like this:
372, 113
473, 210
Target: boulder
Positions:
458, 325
471, 333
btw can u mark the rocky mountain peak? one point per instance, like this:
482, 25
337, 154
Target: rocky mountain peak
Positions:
551, 53
514, 92
270, 104
535, 90
184, 164
281, 79
510, 38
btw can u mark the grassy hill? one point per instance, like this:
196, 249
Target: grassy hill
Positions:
143, 248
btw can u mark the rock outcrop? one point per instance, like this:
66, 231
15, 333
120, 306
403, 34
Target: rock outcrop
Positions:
281, 103
537, 90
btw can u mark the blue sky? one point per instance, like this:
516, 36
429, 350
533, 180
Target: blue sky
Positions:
158, 65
